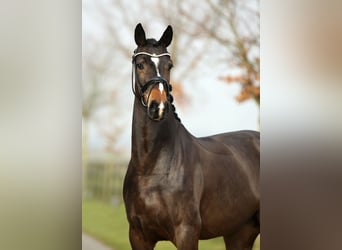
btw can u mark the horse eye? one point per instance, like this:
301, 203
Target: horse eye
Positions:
170, 66
140, 66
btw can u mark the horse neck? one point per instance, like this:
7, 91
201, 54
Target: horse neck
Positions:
150, 138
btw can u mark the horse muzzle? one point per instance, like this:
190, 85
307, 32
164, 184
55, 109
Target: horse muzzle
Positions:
157, 110
156, 94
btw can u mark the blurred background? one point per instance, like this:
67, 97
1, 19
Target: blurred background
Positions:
40, 106
215, 51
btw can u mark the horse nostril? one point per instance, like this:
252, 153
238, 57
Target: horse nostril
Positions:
156, 111
153, 107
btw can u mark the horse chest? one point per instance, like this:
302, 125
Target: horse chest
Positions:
149, 202
149, 211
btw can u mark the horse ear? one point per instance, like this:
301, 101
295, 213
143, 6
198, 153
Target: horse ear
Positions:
166, 38
139, 35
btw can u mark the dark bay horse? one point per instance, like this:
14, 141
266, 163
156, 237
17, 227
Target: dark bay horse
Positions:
178, 187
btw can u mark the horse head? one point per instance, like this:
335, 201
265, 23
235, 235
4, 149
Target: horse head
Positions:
151, 66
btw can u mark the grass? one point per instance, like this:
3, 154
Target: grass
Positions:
109, 225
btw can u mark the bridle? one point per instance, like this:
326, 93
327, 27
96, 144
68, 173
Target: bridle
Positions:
152, 82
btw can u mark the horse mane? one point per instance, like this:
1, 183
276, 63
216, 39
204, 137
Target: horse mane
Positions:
173, 107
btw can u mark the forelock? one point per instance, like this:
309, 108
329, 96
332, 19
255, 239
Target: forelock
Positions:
153, 42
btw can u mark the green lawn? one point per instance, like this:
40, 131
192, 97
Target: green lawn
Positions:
109, 225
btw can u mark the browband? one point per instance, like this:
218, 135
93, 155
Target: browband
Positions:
151, 55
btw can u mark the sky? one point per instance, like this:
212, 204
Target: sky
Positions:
211, 107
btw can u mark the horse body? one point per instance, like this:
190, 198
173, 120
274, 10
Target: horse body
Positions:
182, 188
230, 195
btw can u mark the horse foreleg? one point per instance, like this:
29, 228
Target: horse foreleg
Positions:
186, 237
244, 238
138, 241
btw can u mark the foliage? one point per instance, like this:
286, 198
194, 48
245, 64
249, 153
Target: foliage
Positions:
207, 33
234, 25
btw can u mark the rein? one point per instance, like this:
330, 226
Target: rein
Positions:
153, 81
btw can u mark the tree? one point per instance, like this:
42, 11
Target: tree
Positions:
234, 25
231, 26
